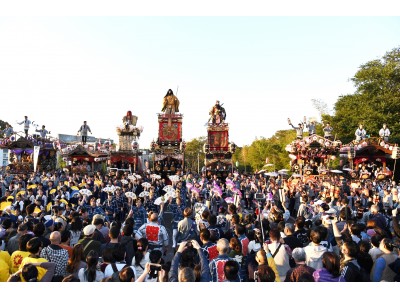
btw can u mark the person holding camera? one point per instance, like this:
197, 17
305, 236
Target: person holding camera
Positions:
151, 268
187, 274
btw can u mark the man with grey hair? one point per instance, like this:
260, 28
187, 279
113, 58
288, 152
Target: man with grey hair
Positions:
56, 254
291, 240
299, 256
217, 264
378, 218
155, 233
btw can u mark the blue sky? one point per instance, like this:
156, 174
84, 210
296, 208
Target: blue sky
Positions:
63, 70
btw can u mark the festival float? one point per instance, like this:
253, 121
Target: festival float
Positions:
368, 157
169, 149
21, 153
312, 155
128, 155
218, 150
85, 159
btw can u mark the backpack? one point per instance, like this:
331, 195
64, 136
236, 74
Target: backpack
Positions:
115, 275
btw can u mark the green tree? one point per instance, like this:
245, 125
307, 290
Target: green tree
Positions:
194, 155
252, 158
375, 101
3, 124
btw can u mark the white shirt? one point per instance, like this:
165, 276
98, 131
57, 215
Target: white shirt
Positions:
254, 246
139, 270
360, 133
81, 275
109, 270
384, 132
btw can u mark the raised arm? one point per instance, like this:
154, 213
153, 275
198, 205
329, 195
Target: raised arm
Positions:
204, 263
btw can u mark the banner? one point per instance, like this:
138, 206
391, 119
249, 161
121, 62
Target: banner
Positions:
218, 140
36, 150
170, 132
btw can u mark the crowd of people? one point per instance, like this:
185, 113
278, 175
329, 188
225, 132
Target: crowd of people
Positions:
60, 226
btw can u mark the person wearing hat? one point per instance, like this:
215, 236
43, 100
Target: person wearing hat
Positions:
384, 133
320, 207
170, 103
88, 242
217, 113
49, 224
27, 123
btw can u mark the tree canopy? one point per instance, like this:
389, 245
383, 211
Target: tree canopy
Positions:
375, 101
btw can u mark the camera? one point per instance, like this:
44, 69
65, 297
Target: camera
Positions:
189, 244
155, 267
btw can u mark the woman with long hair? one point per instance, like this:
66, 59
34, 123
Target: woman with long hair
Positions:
90, 272
76, 230
142, 256
330, 271
76, 261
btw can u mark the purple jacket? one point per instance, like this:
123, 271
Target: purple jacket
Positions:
322, 275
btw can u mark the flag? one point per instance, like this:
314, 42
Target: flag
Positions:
36, 150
